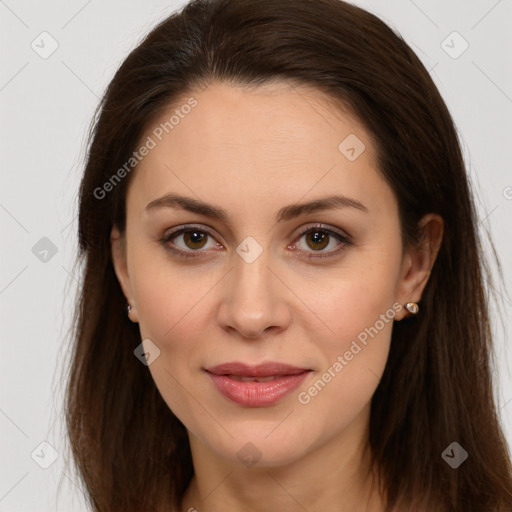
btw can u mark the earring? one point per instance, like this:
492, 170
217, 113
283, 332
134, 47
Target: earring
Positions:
128, 309
412, 307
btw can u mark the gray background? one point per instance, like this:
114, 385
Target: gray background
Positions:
46, 106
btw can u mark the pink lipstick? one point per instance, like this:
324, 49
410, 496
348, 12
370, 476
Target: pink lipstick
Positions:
256, 385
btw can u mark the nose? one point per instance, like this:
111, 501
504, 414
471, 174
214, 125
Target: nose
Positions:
254, 301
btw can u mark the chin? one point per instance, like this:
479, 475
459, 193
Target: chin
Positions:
259, 448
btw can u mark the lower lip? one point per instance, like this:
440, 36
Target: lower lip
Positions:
257, 394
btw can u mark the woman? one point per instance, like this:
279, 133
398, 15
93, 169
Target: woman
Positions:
283, 302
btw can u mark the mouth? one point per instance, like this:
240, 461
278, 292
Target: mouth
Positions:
256, 385
254, 379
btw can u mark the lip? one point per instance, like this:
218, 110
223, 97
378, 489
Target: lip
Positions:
280, 380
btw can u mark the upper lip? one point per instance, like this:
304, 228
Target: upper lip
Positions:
259, 370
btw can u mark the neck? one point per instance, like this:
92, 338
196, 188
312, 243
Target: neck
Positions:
335, 475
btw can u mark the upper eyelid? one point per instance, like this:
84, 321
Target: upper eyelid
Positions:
187, 227
322, 227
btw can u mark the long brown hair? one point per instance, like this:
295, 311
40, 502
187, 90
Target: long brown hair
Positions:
131, 452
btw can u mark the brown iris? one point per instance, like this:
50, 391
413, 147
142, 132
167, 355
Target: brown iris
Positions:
318, 237
197, 239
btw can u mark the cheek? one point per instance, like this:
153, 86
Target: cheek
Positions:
168, 308
353, 302
359, 315
169, 298
353, 358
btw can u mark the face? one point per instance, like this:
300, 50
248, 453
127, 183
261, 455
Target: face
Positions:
236, 280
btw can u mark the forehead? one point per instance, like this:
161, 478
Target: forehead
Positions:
276, 117
261, 142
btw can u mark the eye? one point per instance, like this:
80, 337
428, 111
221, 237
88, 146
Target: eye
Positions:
194, 241
192, 238
318, 238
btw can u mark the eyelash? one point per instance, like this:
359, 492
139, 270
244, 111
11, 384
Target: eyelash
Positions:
345, 241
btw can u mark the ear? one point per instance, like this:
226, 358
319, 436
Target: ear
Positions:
119, 260
418, 261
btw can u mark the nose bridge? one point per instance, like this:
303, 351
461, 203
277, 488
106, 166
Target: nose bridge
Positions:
251, 275
255, 298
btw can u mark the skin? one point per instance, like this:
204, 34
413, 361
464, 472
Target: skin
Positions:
251, 152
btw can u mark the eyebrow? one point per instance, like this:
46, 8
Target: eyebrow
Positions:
285, 213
